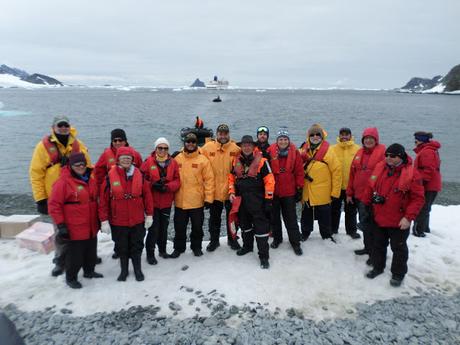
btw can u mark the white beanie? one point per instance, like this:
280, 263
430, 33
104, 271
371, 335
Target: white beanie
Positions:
160, 141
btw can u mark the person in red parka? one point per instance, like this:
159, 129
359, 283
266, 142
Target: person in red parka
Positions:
395, 192
287, 167
125, 199
73, 208
162, 173
428, 164
361, 169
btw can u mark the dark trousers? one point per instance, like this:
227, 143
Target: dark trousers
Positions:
422, 222
158, 233
254, 223
322, 213
398, 244
60, 250
80, 254
129, 241
287, 207
215, 219
366, 224
181, 218
350, 214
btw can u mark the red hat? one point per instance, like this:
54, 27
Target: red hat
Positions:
125, 151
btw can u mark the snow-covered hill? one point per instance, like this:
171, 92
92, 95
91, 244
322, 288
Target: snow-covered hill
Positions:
15, 77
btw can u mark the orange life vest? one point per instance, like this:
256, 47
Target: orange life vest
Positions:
53, 151
253, 169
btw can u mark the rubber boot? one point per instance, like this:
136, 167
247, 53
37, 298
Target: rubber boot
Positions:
124, 261
137, 268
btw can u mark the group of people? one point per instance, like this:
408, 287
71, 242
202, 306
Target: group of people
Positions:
257, 184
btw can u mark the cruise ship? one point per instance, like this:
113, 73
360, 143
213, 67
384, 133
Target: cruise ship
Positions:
217, 84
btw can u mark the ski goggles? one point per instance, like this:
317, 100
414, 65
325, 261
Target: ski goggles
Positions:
262, 129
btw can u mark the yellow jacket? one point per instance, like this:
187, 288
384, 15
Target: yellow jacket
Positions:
42, 174
221, 158
345, 152
327, 179
196, 180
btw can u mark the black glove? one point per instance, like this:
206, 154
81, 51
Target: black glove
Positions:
207, 205
298, 195
268, 207
63, 232
159, 186
42, 206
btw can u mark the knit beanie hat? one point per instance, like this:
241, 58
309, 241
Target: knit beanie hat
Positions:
282, 132
345, 130
77, 157
316, 128
118, 133
397, 150
160, 141
424, 137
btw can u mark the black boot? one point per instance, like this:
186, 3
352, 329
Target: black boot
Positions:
115, 256
304, 237
233, 244
137, 268
74, 284
164, 255
57, 271
363, 251
243, 251
374, 273
297, 250
92, 274
354, 235
151, 258
124, 261
212, 246
175, 254
197, 252
275, 244
264, 264
396, 280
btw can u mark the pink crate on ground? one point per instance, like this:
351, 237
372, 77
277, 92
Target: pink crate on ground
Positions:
39, 237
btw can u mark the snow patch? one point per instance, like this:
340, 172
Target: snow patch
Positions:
437, 89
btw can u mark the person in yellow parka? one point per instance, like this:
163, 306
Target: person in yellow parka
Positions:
50, 155
196, 192
322, 183
221, 153
345, 151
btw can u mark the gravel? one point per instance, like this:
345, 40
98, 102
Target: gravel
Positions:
424, 319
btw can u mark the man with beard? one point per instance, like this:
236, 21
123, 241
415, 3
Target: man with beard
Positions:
263, 133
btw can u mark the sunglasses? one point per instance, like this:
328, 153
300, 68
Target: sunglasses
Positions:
79, 165
117, 140
161, 148
262, 129
315, 135
190, 142
391, 155
63, 124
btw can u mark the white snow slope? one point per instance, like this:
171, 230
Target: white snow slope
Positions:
324, 283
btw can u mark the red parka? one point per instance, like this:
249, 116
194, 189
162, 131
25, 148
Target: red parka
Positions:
74, 203
153, 172
403, 192
108, 159
428, 164
288, 171
363, 164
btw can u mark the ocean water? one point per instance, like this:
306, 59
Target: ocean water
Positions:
146, 114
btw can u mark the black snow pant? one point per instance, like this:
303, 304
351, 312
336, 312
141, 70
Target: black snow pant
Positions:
80, 254
287, 207
320, 212
129, 241
422, 222
350, 214
181, 218
158, 233
60, 250
215, 219
398, 244
366, 224
254, 222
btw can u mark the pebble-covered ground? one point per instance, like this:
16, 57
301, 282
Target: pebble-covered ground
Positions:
424, 319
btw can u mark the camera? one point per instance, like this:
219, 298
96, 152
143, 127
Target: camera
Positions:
308, 178
378, 199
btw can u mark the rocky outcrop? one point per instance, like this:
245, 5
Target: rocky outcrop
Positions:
452, 80
421, 84
198, 83
448, 84
35, 78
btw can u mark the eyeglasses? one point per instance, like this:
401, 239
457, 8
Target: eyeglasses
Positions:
79, 165
161, 148
63, 124
117, 140
315, 135
262, 129
391, 155
190, 142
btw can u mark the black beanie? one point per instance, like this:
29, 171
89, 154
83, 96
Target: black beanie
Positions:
77, 157
118, 133
397, 150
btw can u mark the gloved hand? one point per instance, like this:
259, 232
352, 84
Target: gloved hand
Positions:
159, 186
207, 205
63, 232
42, 206
268, 207
148, 222
105, 227
298, 195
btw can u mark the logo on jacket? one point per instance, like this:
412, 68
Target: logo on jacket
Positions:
116, 183
153, 167
80, 187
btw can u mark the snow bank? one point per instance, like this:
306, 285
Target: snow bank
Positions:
326, 281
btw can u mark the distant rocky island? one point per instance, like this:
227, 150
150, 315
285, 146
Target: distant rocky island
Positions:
449, 84
15, 77
198, 83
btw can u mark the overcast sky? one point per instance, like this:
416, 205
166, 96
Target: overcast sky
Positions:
269, 43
